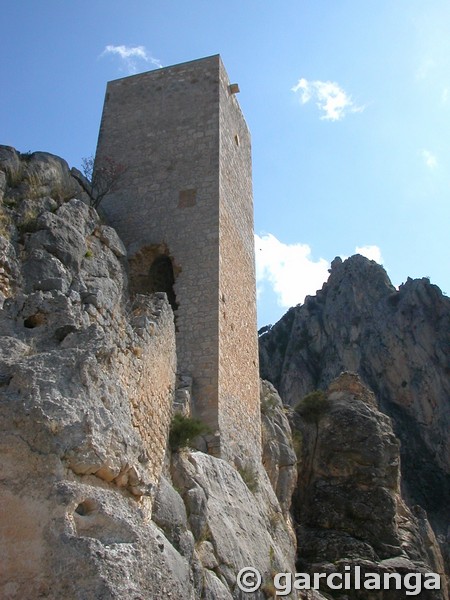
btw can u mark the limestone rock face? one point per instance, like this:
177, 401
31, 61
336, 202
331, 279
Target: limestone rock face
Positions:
93, 505
348, 505
279, 458
235, 522
397, 341
37, 175
86, 387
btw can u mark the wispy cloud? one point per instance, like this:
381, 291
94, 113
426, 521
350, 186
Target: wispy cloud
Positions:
131, 57
329, 96
288, 269
429, 159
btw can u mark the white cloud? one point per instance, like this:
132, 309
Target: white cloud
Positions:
131, 56
370, 252
291, 272
289, 269
429, 159
330, 98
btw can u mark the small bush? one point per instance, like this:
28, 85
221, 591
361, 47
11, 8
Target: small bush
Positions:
104, 176
313, 406
28, 221
9, 202
250, 477
183, 430
26, 155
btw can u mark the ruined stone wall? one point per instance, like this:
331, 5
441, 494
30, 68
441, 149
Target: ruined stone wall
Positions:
239, 417
147, 373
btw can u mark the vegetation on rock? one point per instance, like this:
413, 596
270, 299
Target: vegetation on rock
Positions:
313, 406
183, 430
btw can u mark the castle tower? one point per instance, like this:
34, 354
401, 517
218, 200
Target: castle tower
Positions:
185, 212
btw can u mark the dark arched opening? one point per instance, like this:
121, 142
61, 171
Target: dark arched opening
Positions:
161, 279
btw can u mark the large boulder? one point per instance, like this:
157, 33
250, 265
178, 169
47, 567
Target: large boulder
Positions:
348, 505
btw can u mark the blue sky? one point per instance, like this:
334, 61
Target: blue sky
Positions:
348, 103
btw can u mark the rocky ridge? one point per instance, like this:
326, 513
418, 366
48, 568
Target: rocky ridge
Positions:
397, 342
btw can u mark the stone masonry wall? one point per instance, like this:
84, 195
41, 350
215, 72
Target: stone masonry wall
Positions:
239, 416
163, 127
187, 193
147, 373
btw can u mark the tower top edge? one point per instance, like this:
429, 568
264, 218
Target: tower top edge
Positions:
214, 58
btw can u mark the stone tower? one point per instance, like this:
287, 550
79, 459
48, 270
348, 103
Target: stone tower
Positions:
184, 209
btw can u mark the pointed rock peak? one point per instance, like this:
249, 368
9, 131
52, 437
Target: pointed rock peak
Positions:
359, 271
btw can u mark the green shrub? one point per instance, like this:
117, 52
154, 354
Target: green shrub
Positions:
184, 429
28, 221
313, 406
250, 477
26, 156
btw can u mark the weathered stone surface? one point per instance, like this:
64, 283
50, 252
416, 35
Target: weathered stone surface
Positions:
398, 343
233, 526
348, 503
10, 275
110, 238
169, 513
214, 589
38, 174
278, 456
87, 380
3, 184
75, 414
10, 163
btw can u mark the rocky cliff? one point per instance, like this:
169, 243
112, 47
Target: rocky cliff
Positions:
94, 504
397, 341
97, 503
348, 506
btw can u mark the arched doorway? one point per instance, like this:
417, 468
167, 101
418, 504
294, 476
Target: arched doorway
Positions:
161, 278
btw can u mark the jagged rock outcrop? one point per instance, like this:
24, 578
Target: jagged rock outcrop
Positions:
348, 505
397, 341
94, 506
